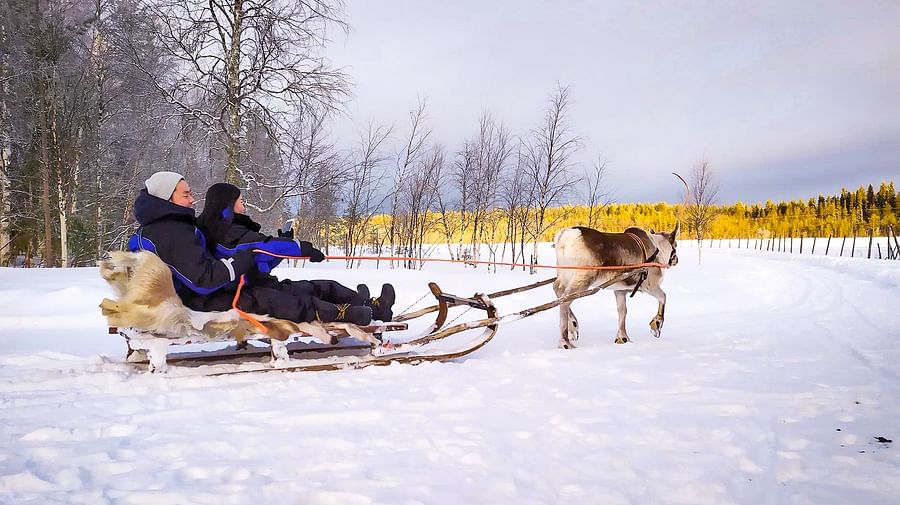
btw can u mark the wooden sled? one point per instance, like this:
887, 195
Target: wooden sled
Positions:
149, 315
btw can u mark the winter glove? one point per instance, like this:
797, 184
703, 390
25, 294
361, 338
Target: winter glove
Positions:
286, 234
314, 255
243, 262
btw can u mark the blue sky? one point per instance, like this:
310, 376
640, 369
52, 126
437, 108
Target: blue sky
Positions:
784, 99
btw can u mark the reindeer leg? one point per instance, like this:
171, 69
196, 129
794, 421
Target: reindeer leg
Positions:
621, 296
568, 325
565, 327
573, 325
656, 323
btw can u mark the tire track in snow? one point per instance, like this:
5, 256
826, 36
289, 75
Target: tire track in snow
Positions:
841, 304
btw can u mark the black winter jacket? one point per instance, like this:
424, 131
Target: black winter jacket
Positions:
171, 232
244, 230
244, 234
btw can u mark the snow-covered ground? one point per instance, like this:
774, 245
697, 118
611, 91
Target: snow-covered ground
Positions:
774, 376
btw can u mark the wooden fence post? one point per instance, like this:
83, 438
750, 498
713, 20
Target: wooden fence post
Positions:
828, 245
791, 238
801, 243
879, 249
853, 245
813, 251
889, 248
871, 236
896, 242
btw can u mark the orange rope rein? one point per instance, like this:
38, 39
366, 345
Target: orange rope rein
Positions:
264, 330
248, 317
501, 263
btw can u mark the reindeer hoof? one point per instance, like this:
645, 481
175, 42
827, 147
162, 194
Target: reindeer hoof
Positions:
656, 327
566, 345
622, 340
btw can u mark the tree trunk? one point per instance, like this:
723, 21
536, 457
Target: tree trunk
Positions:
66, 182
232, 146
63, 224
5, 152
45, 187
4, 205
101, 118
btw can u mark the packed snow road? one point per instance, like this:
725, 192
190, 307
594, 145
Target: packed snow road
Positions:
774, 378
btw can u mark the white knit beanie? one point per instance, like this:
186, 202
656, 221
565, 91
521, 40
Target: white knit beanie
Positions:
162, 184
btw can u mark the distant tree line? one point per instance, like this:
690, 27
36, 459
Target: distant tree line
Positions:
860, 213
849, 213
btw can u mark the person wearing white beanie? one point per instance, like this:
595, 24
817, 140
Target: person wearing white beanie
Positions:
170, 186
168, 228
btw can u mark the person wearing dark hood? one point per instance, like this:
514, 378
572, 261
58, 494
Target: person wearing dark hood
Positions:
228, 230
168, 228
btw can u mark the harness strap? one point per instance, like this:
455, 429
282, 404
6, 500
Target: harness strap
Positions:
643, 276
640, 243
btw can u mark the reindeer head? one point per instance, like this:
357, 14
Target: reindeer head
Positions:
666, 243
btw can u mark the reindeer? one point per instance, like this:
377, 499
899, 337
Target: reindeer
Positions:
580, 246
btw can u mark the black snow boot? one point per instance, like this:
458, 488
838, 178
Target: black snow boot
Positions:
383, 305
364, 296
359, 315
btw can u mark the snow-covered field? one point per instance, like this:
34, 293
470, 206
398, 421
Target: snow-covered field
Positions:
774, 376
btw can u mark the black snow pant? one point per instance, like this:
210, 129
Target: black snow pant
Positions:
329, 291
296, 301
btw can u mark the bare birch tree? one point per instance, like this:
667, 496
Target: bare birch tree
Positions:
242, 64
462, 176
548, 169
362, 193
515, 202
492, 152
413, 154
418, 200
5, 137
700, 201
450, 220
595, 195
